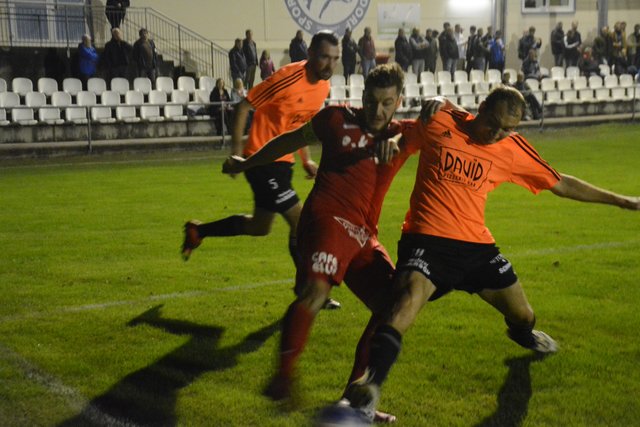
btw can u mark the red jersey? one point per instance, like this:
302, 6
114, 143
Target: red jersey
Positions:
283, 103
456, 173
350, 183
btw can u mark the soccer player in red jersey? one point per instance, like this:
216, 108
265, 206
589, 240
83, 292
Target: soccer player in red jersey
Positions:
337, 233
283, 102
445, 243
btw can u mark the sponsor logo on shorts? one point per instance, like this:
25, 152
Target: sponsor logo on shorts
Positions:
284, 196
499, 259
463, 168
359, 233
335, 15
419, 264
324, 263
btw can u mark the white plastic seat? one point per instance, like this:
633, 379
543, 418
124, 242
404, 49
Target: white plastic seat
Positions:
356, 80
465, 88
21, 86
564, 84
468, 101
547, 85
207, 83
152, 112
570, 96
553, 97
427, 77
443, 77
411, 94
84, 99
187, 84
580, 82
586, 95
47, 86
174, 110
142, 84
201, 95
337, 95
132, 99
164, 84
610, 81
533, 84
3, 112
338, 80
448, 90
109, 99
619, 94
494, 76
476, 76
481, 88
572, 72
460, 76
544, 72
72, 86
49, 116
410, 78
429, 90
120, 85
22, 116
96, 85
3, 85
626, 80
605, 70
603, 94
557, 73
595, 82
355, 94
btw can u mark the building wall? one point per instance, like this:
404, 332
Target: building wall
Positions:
273, 27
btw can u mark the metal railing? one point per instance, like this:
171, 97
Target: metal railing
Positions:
28, 23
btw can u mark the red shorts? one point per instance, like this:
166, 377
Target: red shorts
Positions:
334, 250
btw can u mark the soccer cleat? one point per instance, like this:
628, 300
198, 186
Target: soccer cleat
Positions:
279, 388
379, 416
538, 341
363, 396
331, 304
191, 238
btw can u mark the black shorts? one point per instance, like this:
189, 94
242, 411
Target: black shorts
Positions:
454, 264
271, 185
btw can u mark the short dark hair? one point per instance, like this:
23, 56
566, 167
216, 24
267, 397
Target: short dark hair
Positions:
323, 35
385, 75
511, 96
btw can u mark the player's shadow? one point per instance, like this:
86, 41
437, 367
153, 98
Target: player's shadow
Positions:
514, 396
148, 397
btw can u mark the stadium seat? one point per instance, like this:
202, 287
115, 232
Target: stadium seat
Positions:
534, 84
465, 88
494, 76
164, 84
553, 97
96, 85
481, 88
468, 101
22, 116
338, 80
448, 90
602, 94
201, 95
72, 114
152, 112
119, 85
87, 99
605, 70
429, 90
174, 110
410, 78
544, 72
557, 73
460, 76
547, 85
50, 116
3, 117
21, 86
355, 95
3, 85
619, 94
476, 76
610, 81
586, 95
127, 114
443, 77
356, 80
187, 84
109, 99
595, 82
580, 82
71, 85
626, 81
564, 84
337, 95
47, 86
572, 72
142, 84
427, 77
207, 83
411, 95
569, 96
513, 75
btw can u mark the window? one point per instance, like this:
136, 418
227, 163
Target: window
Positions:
548, 6
49, 22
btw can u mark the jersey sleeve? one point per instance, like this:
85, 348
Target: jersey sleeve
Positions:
529, 170
271, 89
412, 136
322, 123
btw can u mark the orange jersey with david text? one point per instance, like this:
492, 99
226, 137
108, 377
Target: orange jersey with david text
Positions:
456, 173
283, 102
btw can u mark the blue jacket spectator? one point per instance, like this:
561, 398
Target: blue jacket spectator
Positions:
87, 59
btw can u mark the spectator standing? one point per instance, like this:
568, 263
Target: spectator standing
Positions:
479, 52
633, 43
367, 52
496, 52
87, 59
470, 41
602, 46
222, 111
431, 53
528, 42
449, 51
441, 44
117, 54
572, 42
403, 51
418, 46
266, 65
531, 66
557, 44
349, 54
462, 47
298, 48
619, 52
487, 39
145, 56
237, 61
251, 56
115, 11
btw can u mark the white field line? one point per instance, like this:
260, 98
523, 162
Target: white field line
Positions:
73, 399
117, 162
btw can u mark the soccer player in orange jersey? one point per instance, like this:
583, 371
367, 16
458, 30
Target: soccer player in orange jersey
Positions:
445, 243
284, 102
338, 227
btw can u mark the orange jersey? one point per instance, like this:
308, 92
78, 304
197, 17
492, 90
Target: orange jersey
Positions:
456, 173
283, 102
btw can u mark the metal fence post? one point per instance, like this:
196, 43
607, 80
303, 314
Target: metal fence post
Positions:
213, 71
87, 111
180, 45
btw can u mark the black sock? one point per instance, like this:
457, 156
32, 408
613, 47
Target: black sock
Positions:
521, 333
231, 226
385, 347
293, 250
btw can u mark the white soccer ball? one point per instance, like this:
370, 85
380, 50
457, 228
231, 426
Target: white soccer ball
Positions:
341, 416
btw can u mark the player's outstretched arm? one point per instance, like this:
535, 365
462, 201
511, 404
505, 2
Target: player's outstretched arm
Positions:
577, 189
310, 167
239, 123
277, 147
386, 150
431, 106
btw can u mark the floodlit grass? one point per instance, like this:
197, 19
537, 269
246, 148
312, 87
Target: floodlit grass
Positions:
98, 308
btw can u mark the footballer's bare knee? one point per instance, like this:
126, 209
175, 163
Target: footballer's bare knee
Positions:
314, 294
413, 290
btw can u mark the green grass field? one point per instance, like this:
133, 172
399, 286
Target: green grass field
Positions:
97, 309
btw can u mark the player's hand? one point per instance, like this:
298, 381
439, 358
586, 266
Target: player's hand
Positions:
431, 107
233, 165
386, 150
311, 168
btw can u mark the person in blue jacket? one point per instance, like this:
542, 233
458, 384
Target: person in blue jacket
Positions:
87, 59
